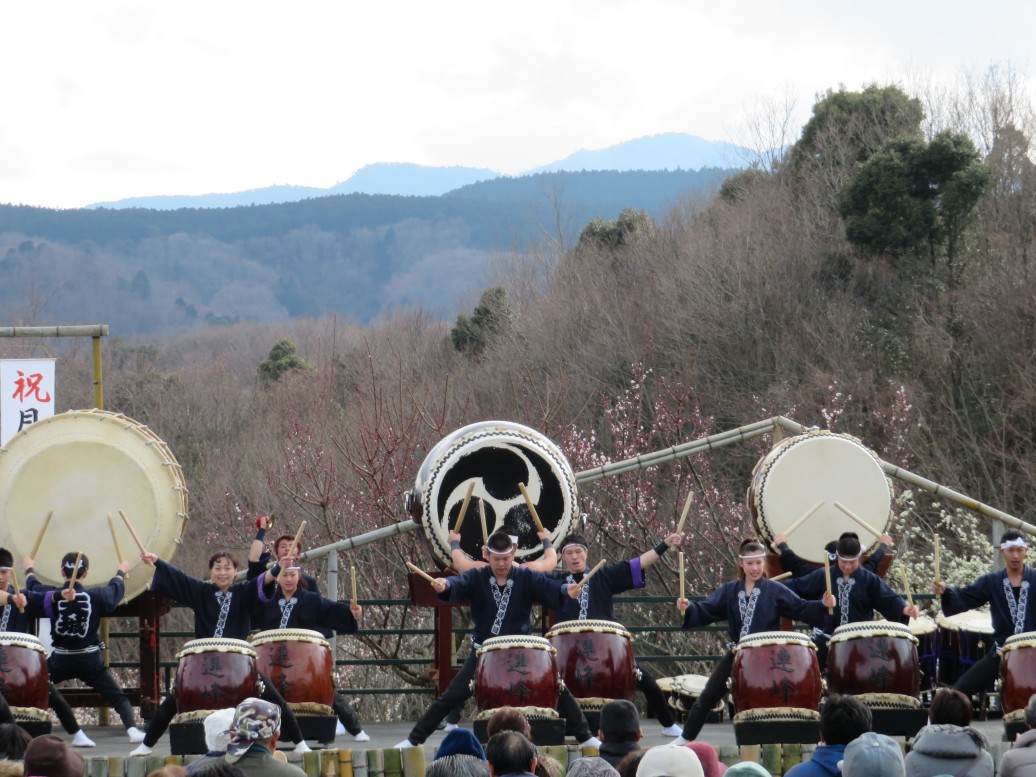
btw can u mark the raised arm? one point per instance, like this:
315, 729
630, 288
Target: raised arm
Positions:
649, 557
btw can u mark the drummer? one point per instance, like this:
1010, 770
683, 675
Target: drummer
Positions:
749, 605
858, 592
1007, 594
596, 602
502, 595
222, 608
799, 567
286, 604
259, 557
74, 624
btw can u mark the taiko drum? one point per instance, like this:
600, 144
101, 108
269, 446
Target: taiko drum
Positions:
298, 663
516, 671
213, 674
24, 680
873, 657
595, 658
775, 669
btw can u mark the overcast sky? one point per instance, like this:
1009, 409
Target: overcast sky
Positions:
103, 100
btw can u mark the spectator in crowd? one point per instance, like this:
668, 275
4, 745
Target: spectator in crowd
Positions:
460, 754
253, 738
747, 769
842, 719
168, 770
49, 756
627, 767
217, 737
511, 753
873, 755
948, 744
591, 767
13, 741
709, 758
220, 769
511, 719
670, 761
1020, 760
619, 731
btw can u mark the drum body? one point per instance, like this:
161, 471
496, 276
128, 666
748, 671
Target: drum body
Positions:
875, 657
964, 638
926, 632
803, 470
775, 669
215, 673
298, 663
595, 659
516, 672
1017, 671
24, 679
84, 465
495, 456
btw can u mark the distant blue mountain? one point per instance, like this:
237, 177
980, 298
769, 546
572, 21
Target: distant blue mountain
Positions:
669, 151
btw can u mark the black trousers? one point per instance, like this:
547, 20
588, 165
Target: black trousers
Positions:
714, 689
655, 698
346, 714
982, 675
459, 691
63, 710
165, 712
90, 669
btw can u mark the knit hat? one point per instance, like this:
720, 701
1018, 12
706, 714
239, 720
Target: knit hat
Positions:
747, 769
872, 755
255, 721
710, 763
670, 761
460, 741
49, 756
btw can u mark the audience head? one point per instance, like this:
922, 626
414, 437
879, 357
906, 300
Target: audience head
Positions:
670, 761
509, 752
457, 766
219, 768
950, 706
627, 767
49, 756
591, 767
710, 763
508, 719
13, 741
842, 719
256, 722
1030, 712
460, 741
620, 722
747, 769
217, 730
873, 755
548, 766
168, 770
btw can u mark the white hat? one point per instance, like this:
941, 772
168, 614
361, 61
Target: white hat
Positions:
670, 761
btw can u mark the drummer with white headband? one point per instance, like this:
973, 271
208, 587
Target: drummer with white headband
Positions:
858, 594
1007, 593
596, 602
799, 567
749, 605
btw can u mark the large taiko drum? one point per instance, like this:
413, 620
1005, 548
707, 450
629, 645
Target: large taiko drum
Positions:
1017, 671
298, 663
926, 631
213, 674
964, 638
496, 457
84, 465
595, 659
24, 679
517, 671
819, 466
775, 669
875, 660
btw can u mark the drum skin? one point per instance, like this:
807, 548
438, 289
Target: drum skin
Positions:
873, 657
516, 672
1018, 671
84, 465
298, 663
595, 659
24, 679
775, 669
214, 674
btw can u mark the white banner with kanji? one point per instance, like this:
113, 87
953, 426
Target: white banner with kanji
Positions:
26, 394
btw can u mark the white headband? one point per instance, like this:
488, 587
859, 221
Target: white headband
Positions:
6, 569
1017, 542
760, 554
574, 545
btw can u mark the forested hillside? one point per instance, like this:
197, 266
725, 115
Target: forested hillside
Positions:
876, 280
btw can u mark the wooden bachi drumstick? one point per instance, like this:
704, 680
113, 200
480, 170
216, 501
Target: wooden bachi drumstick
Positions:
782, 576
75, 569
593, 572
132, 531
827, 577
683, 590
295, 542
352, 574
464, 507
686, 509
482, 515
804, 518
937, 575
39, 537
17, 590
858, 519
532, 508
115, 539
906, 586
420, 572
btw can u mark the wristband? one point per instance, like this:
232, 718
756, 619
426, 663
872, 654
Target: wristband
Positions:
275, 570
454, 545
260, 535
661, 548
120, 573
30, 571
547, 543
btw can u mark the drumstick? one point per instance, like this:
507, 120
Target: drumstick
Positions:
532, 508
14, 582
804, 518
352, 573
593, 572
422, 573
482, 515
72, 578
858, 519
464, 507
132, 531
906, 586
686, 509
827, 577
782, 576
39, 537
937, 575
295, 541
682, 589
115, 539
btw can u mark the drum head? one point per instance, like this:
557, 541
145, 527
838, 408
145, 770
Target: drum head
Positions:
971, 621
84, 465
803, 470
496, 456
